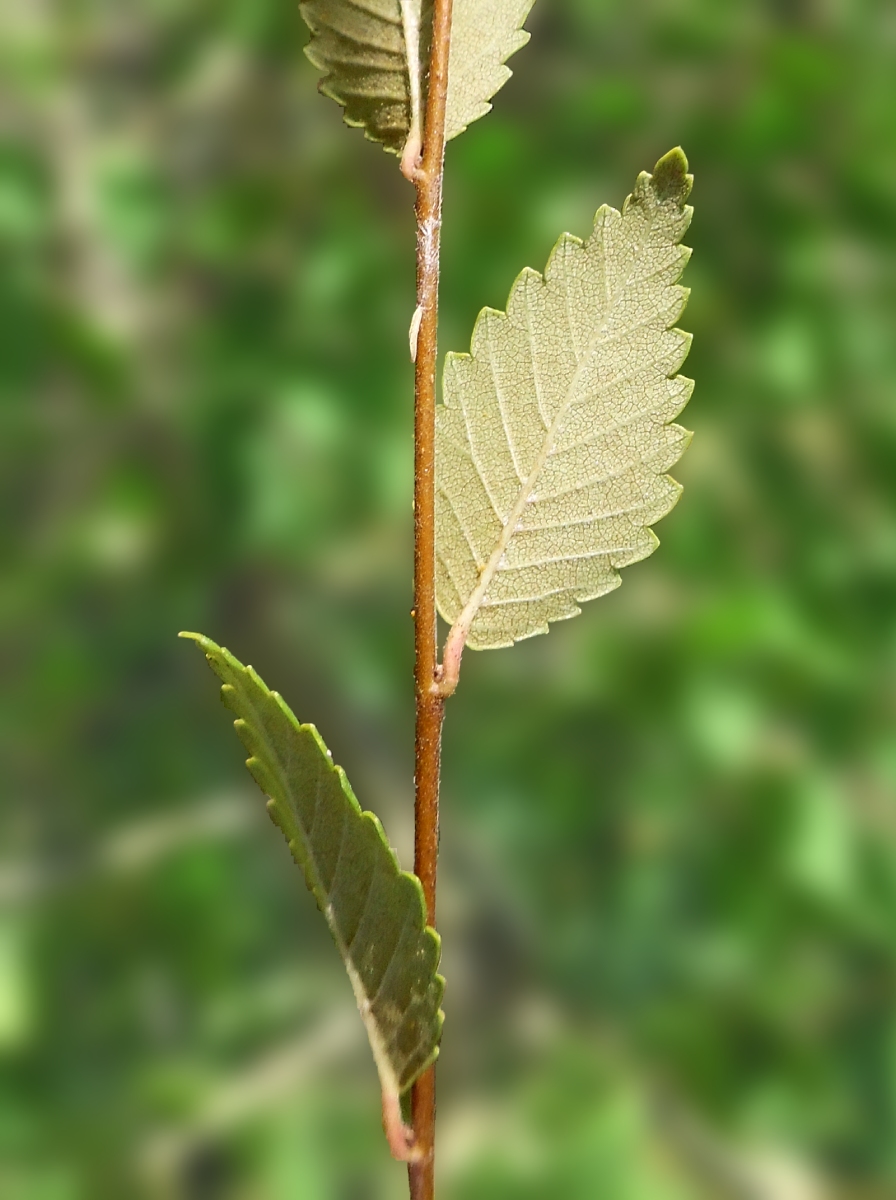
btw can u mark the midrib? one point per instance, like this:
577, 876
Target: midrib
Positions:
471, 608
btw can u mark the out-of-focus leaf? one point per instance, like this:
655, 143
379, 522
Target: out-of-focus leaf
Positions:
484, 34
375, 911
554, 439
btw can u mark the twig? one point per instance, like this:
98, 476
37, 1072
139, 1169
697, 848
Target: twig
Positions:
427, 177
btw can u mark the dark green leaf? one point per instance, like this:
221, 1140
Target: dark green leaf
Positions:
554, 440
375, 911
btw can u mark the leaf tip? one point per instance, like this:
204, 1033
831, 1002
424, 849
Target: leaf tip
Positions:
671, 180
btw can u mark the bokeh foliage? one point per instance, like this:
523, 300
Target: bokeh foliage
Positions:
670, 876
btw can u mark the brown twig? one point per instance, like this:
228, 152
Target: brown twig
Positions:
427, 177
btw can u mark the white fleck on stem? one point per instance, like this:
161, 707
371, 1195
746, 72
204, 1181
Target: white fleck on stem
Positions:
414, 331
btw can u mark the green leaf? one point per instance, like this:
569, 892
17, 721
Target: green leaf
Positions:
375, 911
554, 438
375, 56
483, 37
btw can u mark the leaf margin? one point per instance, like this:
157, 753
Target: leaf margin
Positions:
415, 21
669, 181
414, 18
226, 666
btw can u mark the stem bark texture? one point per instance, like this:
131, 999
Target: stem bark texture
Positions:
427, 178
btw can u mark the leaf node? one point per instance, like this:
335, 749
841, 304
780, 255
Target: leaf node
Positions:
555, 435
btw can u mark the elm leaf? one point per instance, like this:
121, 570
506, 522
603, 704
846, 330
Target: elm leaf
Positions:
374, 55
484, 34
374, 910
555, 435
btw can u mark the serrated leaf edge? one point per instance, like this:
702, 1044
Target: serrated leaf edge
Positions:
389, 1082
330, 85
670, 174
523, 37
412, 22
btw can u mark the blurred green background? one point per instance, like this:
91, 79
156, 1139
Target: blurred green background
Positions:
668, 857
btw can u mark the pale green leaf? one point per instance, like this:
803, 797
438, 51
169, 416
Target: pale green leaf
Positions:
374, 910
375, 55
554, 439
484, 34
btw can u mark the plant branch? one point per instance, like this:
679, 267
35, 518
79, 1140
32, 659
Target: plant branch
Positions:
427, 174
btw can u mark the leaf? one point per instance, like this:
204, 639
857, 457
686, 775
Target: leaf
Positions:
375, 58
373, 54
483, 37
374, 910
554, 438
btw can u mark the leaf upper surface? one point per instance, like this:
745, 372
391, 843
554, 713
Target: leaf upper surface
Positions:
555, 435
373, 63
375, 53
375, 911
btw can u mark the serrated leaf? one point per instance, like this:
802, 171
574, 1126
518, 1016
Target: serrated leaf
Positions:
375, 911
555, 436
483, 37
375, 55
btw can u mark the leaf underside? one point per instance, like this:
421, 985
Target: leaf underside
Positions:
374, 910
483, 37
554, 438
362, 48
